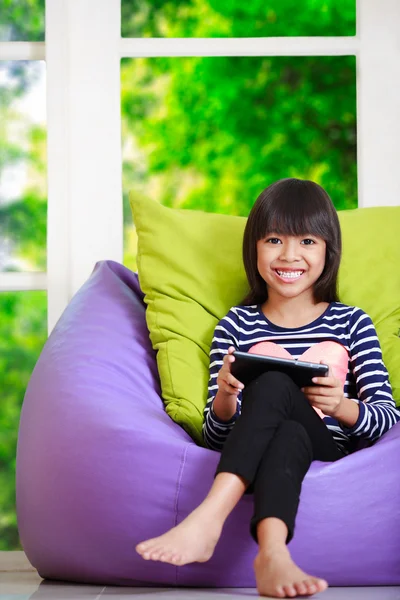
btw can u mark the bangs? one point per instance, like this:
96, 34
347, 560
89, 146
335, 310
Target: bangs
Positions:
297, 210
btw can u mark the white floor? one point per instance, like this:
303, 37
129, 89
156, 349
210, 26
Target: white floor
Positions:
20, 581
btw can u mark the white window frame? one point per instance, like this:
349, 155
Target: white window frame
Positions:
83, 49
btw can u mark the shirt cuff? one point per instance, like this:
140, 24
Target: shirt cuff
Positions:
354, 430
219, 421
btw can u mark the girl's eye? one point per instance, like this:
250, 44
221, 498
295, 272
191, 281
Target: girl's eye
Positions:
273, 240
307, 242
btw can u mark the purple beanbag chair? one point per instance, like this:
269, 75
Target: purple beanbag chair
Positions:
101, 466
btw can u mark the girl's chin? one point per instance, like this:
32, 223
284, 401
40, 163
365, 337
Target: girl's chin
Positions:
289, 291
281, 284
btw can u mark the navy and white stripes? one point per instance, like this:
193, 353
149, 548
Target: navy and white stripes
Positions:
367, 378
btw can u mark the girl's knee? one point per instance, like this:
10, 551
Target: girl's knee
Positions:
295, 434
292, 428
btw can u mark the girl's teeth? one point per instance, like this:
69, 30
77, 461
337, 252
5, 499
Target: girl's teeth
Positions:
289, 274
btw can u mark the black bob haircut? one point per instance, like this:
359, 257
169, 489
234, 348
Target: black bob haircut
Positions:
293, 207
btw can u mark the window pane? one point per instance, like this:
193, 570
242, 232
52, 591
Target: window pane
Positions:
23, 195
211, 133
23, 331
22, 20
213, 18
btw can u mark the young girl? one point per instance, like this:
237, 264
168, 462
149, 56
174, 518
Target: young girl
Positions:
271, 431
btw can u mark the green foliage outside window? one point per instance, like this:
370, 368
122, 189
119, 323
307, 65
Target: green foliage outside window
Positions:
22, 20
23, 331
211, 133
235, 18
23, 315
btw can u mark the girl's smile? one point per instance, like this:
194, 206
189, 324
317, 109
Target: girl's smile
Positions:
288, 275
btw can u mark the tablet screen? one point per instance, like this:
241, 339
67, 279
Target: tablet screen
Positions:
247, 367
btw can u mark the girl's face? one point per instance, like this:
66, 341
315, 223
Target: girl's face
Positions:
290, 265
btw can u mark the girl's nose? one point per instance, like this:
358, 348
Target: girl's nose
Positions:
290, 251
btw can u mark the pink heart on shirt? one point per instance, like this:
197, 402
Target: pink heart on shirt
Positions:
331, 353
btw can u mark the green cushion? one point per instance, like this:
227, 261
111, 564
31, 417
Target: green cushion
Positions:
191, 272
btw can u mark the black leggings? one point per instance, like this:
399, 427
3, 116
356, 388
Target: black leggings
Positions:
272, 445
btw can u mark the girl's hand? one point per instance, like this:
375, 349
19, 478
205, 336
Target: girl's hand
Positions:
327, 394
227, 383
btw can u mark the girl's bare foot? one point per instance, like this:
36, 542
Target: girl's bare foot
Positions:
193, 540
278, 576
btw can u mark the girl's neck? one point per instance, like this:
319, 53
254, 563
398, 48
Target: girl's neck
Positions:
292, 312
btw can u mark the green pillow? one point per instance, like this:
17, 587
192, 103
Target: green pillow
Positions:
191, 272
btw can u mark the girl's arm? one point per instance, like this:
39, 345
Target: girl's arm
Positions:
378, 412
216, 430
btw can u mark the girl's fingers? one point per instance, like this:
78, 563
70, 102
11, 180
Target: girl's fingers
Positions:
234, 390
228, 359
234, 382
229, 383
321, 391
312, 399
316, 402
230, 389
232, 385
325, 381
315, 391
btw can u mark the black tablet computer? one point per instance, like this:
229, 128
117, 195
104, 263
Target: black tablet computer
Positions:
247, 367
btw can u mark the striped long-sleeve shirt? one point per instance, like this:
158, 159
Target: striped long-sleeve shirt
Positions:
366, 382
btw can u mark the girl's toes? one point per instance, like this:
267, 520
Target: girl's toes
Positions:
301, 588
311, 587
164, 557
280, 592
181, 560
321, 584
147, 544
290, 591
